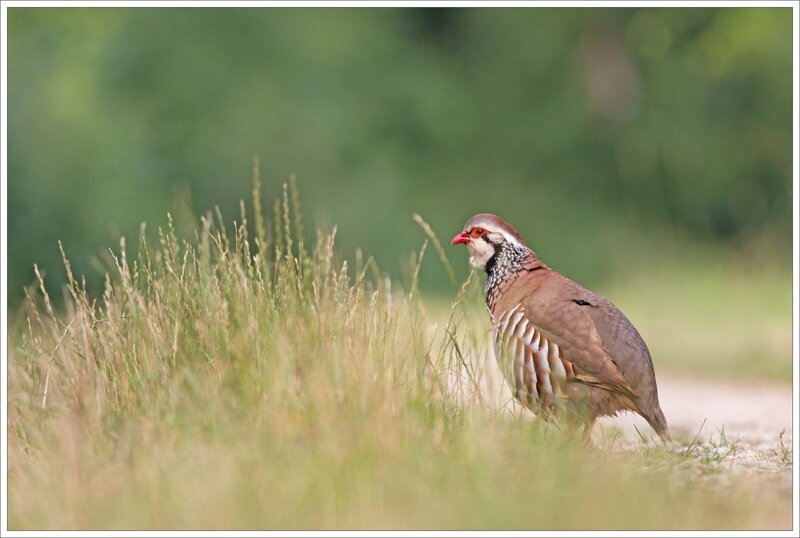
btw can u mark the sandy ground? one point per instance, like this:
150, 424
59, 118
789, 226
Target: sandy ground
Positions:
756, 419
751, 412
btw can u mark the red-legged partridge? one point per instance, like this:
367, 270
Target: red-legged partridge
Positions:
559, 345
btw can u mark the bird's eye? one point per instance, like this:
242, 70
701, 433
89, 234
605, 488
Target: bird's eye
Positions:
479, 232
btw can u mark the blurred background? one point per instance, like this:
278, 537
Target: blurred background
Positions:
644, 152
616, 140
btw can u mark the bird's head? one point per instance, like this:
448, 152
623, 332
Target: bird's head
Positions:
485, 234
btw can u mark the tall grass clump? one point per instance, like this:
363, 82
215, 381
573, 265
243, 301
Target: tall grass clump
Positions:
249, 379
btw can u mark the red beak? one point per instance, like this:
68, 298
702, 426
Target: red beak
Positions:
463, 237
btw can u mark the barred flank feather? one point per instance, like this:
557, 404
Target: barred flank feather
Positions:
531, 365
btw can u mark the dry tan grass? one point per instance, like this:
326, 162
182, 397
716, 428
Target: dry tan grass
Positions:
255, 383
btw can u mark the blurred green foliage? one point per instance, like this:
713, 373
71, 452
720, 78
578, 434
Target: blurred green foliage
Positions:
584, 127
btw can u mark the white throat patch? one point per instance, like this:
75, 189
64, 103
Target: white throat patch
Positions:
480, 253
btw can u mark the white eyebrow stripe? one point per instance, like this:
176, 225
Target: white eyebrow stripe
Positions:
508, 237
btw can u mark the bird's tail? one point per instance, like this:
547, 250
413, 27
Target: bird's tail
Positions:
656, 419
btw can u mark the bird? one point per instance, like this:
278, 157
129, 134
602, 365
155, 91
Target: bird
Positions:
564, 350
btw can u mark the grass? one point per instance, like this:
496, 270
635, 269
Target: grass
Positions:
782, 453
260, 383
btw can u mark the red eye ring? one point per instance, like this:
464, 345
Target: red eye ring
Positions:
478, 232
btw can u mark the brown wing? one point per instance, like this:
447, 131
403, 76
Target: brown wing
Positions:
556, 307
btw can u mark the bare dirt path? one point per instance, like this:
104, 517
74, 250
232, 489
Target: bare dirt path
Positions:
755, 412
744, 428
